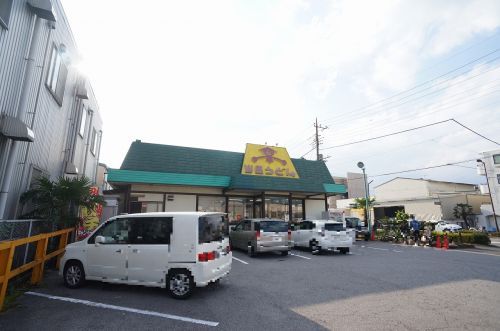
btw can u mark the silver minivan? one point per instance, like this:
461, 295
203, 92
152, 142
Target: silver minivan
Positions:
261, 235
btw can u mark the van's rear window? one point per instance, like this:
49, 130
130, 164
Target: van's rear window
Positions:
273, 226
334, 227
211, 228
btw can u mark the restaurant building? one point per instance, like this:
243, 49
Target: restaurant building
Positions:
262, 182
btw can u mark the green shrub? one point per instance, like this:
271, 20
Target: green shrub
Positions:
466, 237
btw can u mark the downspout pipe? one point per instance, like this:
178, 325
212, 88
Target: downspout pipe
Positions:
22, 109
32, 124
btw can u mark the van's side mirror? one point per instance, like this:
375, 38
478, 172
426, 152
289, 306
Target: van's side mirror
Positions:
100, 240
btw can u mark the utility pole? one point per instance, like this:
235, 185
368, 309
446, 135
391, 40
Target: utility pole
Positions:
317, 138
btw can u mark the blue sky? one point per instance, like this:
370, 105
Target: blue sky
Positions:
222, 74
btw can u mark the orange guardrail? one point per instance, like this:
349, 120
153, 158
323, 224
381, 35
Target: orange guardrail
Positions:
7, 249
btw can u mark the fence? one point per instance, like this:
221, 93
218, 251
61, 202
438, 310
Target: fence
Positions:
17, 229
42, 254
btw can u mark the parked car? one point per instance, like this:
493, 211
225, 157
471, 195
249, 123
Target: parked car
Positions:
444, 226
357, 225
178, 251
321, 235
261, 235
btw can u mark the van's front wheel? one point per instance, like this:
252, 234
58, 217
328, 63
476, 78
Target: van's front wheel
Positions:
180, 284
74, 275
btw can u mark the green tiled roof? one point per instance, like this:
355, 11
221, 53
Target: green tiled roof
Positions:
149, 177
175, 160
335, 188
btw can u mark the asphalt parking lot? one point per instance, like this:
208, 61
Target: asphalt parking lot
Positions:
378, 286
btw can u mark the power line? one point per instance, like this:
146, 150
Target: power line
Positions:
412, 129
389, 134
480, 135
394, 104
445, 104
425, 168
309, 152
418, 169
431, 80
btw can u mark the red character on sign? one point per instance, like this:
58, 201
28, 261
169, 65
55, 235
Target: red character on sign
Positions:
268, 156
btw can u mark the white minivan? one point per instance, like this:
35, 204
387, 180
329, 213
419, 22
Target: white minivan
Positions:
322, 235
176, 250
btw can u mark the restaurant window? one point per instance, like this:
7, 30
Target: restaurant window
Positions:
277, 207
146, 202
56, 77
297, 210
212, 204
239, 208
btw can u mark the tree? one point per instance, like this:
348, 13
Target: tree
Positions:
360, 203
402, 216
60, 201
463, 210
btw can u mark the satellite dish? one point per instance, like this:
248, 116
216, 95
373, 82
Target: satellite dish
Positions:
361, 165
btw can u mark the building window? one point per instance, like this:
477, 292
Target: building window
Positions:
498, 178
56, 78
5, 9
93, 142
297, 210
496, 158
83, 120
277, 207
146, 202
213, 204
239, 208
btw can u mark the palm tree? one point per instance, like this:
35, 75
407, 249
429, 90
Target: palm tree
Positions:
463, 210
60, 201
360, 203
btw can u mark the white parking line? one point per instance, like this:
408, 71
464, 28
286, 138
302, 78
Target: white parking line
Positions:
235, 258
379, 249
396, 251
121, 308
304, 257
479, 253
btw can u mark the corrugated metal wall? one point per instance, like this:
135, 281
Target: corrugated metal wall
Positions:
52, 124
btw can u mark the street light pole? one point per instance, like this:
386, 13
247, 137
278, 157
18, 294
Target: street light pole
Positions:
489, 191
367, 212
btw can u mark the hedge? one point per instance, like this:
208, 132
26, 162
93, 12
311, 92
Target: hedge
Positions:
467, 237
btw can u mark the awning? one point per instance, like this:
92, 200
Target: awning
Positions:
335, 188
15, 129
43, 9
148, 177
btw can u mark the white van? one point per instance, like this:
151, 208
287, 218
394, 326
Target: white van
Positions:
174, 250
322, 235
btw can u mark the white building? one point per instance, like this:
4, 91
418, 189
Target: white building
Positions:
491, 168
49, 118
426, 199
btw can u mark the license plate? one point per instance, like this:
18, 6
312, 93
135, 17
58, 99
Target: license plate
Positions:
276, 238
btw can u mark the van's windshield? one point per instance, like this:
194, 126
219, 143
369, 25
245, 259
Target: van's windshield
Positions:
211, 228
273, 226
334, 227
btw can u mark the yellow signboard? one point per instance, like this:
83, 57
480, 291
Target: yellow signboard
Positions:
261, 160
